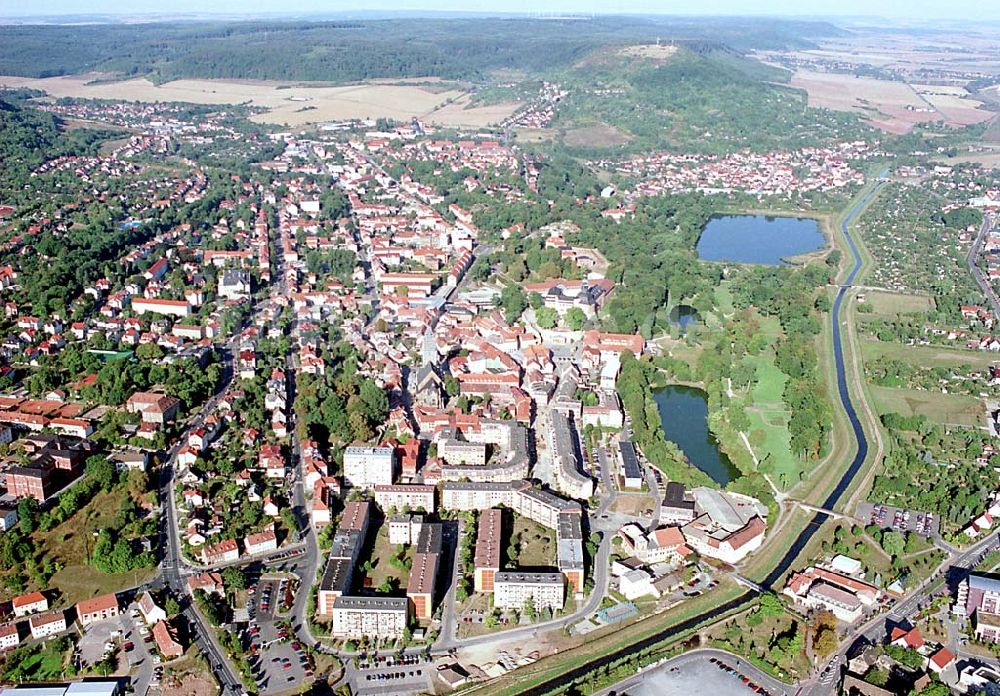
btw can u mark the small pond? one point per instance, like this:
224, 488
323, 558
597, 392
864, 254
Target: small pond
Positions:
684, 415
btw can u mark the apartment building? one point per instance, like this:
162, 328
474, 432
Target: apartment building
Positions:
405, 496
489, 542
512, 590
567, 459
367, 467
372, 617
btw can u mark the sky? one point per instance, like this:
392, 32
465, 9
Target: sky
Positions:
899, 9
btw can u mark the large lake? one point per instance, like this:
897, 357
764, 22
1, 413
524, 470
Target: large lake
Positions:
758, 238
684, 414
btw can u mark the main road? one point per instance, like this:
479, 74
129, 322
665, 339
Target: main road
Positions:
977, 272
814, 524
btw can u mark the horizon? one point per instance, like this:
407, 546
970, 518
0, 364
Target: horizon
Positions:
886, 10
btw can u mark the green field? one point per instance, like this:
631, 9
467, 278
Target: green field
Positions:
769, 416
927, 356
948, 409
893, 304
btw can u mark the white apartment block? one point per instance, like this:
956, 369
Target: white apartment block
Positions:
511, 590
460, 452
403, 496
378, 617
367, 467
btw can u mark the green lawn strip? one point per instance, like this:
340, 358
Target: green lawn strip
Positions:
768, 415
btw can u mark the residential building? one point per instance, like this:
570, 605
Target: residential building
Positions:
512, 590
405, 497
151, 612
489, 545
422, 583
97, 609
167, 643
226, 551
261, 542
384, 618
234, 284
367, 467
567, 458
30, 603
49, 624
10, 636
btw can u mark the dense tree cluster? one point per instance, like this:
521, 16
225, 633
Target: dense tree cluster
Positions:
791, 295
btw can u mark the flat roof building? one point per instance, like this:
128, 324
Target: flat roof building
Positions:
489, 541
513, 590
372, 617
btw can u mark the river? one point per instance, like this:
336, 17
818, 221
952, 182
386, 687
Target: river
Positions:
813, 525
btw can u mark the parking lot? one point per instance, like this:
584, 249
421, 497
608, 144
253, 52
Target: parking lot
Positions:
139, 651
412, 675
278, 661
99, 639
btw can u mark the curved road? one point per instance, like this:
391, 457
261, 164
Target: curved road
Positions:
818, 519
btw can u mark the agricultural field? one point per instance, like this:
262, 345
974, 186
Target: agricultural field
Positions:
288, 104
461, 112
955, 104
892, 106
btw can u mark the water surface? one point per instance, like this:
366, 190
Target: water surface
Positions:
762, 239
684, 415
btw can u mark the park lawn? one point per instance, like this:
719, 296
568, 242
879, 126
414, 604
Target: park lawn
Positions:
947, 409
724, 299
537, 547
769, 435
893, 304
927, 356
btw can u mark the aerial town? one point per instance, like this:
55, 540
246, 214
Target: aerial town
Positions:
394, 405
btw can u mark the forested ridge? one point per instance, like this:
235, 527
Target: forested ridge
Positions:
342, 51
